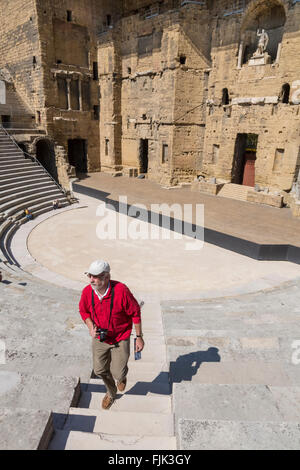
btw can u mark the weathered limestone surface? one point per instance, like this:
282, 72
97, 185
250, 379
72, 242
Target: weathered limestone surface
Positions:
162, 88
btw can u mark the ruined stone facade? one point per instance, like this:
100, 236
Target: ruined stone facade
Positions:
174, 89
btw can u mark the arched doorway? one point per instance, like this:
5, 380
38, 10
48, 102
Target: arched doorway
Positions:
46, 156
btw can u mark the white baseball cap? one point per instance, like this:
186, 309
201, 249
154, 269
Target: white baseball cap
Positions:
97, 267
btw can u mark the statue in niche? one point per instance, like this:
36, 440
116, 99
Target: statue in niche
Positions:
262, 42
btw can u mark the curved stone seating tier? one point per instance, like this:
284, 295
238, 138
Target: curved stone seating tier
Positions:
20, 188
23, 184
13, 181
11, 206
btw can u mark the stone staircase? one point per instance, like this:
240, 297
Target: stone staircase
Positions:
24, 183
234, 191
141, 418
235, 385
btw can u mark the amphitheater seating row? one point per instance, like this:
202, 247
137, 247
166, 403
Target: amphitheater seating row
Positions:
24, 183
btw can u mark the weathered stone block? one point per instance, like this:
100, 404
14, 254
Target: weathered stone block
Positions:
209, 188
263, 198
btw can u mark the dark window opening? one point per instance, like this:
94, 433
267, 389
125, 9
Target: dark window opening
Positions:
62, 90
108, 20
285, 93
96, 112
58, 61
69, 15
106, 146
225, 96
77, 154
5, 119
34, 61
143, 156
165, 153
95, 71
129, 70
74, 92
86, 95
46, 156
182, 59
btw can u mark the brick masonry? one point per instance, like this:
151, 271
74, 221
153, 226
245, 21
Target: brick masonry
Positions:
138, 86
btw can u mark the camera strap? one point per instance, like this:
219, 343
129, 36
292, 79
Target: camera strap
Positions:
111, 305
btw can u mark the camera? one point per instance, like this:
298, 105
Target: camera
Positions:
102, 333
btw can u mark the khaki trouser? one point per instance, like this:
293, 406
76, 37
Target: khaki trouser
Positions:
110, 361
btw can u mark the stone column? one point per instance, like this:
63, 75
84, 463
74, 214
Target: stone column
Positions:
240, 57
80, 93
69, 93
278, 53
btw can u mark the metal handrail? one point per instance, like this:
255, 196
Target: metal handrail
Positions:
35, 159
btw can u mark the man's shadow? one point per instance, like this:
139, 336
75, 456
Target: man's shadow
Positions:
186, 366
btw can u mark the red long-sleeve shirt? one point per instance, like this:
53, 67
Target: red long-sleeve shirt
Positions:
126, 311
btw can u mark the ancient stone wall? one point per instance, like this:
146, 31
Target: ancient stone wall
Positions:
171, 88
19, 50
256, 104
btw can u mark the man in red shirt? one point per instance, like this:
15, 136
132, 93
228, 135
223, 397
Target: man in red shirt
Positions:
109, 309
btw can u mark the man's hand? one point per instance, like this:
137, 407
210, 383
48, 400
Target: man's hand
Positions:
93, 331
92, 328
139, 345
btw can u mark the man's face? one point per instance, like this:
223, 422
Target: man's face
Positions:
100, 282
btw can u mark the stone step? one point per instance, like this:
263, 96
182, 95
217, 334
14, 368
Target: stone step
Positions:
38, 207
236, 402
237, 435
231, 372
40, 392
34, 429
234, 191
10, 151
133, 388
149, 353
14, 164
32, 172
128, 423
13, 205
23, 167
269, 326
227, 348
20, 188
14, 159
76, 440
21, 192
12, 179
128, 402
148, 371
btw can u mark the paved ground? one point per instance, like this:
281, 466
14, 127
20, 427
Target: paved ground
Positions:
163, 268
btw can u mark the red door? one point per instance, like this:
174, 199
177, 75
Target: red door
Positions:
249, 169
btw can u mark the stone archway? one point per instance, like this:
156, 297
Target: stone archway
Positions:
45, 154
268, 15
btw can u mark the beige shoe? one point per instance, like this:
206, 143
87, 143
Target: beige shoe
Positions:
121, 385
107, 402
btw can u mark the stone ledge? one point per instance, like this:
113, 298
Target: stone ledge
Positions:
23, 429
263, 198
208, 188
